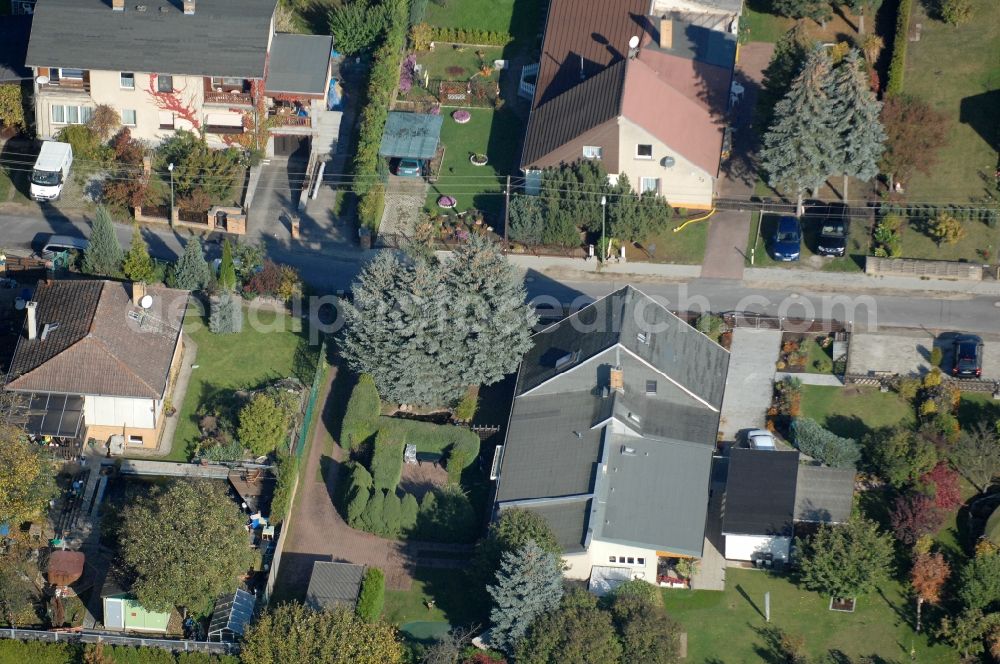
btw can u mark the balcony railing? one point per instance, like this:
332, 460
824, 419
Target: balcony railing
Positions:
239, 98
68, 85
283, 120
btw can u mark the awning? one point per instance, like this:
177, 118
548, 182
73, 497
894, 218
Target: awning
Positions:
411, 135
224, 120
41, 414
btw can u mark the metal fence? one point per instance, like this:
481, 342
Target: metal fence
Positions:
91, 636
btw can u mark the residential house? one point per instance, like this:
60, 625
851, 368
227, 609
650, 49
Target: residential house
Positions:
212, 66
771, 497
98, 359
645, 95
611, 436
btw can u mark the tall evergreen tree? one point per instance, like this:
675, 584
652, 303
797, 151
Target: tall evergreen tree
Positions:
818, 10
491, 318
801, 144
227, 269
103, 255
226, 314
529, 583
191, 271
138, 266
855, 116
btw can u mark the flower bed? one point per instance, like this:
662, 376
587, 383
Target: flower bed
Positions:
478, 159
446, 202
461, 116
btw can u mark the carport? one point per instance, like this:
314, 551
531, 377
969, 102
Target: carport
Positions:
411, 136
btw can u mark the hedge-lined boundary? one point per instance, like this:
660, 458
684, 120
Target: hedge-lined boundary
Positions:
472, 37
383, 81
459, 446
988, 216
897, 64
371, 599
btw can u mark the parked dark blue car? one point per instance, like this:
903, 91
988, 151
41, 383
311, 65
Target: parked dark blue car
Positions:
787, 241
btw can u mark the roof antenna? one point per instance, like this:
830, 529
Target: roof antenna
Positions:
633, 46
582, 75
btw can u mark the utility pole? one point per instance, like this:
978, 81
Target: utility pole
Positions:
170, 167
604, 215
506, 218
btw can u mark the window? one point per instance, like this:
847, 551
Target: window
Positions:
649, 185
164, 83
592, 151
640, 561
227, 83
134, 440
611, 559
650, 387
128, 117
631, 560
75, 74
643, 151
127, 81
65, 114
166, 120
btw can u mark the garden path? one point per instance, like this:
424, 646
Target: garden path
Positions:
825, 380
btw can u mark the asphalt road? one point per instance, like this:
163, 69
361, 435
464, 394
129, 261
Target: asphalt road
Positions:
333, 271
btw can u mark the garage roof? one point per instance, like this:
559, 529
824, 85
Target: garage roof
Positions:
298, 64
411, 135
760, 492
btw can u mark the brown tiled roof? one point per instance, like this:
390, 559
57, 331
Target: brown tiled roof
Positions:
595, 30
98, 343
679, 94
580, 109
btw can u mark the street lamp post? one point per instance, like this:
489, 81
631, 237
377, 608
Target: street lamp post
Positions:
170, 167
604, 215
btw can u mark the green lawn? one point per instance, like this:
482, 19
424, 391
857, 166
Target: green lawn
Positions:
493, 133
233, 361
729, 626
458, 64
524, 24
978, 407
817, 353
978, 236
954, 68
686, 247
762, 26
449, 590
857, 246
854, 411
6, 185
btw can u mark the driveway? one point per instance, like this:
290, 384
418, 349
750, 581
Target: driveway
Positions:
727, 241
404, 199
276, 196
750, 382
908, 353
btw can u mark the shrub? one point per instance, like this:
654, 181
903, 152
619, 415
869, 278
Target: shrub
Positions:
824, 446
946, 229
446, 515
421, 36
227, 269
710, 326
823, 365
87, 146
914, 515
387, 459
898, 63
372, 595
359, 499
466, 36
263, 424
371, 517
361, 419
281, 501
226, 315
408, 513
936, 356
466, 408
956, 11
459, 445
371, 205
392, 514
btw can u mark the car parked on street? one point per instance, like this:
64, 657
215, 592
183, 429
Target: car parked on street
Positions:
786, 245
968, 357
761, 439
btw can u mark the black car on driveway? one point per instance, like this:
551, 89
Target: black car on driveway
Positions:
835, 228
968, 356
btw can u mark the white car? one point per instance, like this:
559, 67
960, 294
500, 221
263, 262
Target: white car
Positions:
759, 439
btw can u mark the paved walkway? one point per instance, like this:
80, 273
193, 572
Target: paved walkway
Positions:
823, 380
711, 574
727, 241
749, 385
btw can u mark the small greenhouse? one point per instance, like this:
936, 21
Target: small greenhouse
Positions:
231, 615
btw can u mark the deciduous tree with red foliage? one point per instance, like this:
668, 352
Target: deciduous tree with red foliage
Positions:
929, 573
914, 134
943, 484
913, 516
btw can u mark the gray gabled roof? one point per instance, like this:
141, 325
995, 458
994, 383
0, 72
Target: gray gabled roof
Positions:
567, 455
334, 584
221, 38
14, 32
824, 494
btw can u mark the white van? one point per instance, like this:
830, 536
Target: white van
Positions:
51, 170
57, 244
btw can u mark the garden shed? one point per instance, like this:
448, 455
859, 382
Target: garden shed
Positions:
231, 615
123, 613
759, 505
334, 584
411, 136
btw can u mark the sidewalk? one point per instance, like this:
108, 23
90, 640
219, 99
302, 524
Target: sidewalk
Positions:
823, 380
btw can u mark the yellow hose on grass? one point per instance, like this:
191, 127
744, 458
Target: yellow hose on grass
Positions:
691, 221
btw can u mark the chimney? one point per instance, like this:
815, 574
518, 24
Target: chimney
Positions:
32, 321
138, 291
666, 32
189, 6
617, 379
118, 5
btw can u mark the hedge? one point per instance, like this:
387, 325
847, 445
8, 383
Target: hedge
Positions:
372, 596
458, 445
361, 417
898, 62
824, 446
988, 216
470, 36
288, 471
387, 459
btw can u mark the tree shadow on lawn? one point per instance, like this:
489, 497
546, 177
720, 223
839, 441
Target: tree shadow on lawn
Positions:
971, 413
451, 592
847, 426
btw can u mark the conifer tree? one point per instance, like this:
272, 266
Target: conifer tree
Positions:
855, 116
191, 272
529, 583
103, 255
226, 316
800, 147
138, 266
408, 513
227, 269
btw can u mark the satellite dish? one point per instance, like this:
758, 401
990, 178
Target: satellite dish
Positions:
146, 302
633, 42
668, 162
42, 80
